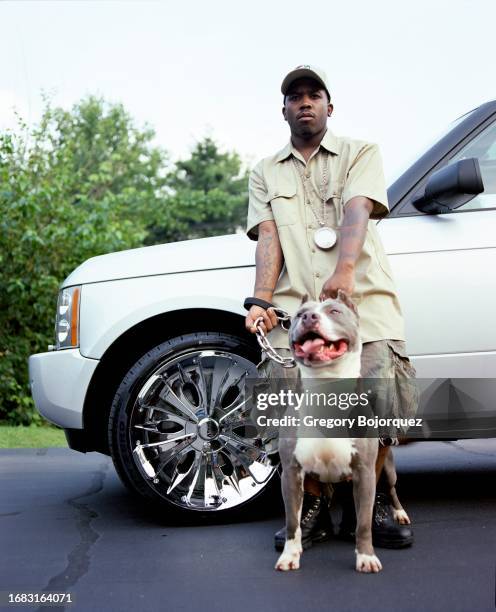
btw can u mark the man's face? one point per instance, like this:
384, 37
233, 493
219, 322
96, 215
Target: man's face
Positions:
306, 107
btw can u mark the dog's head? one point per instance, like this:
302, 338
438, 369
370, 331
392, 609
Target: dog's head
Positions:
324, 332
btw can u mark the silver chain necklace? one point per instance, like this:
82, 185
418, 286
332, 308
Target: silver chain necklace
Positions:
324, 237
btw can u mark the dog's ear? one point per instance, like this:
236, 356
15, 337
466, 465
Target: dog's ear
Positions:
345, 299
304, 299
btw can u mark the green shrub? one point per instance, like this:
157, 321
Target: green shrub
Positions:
82, 183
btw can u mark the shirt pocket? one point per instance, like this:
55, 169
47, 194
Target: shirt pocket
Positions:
335, 189
284, 204
334, 199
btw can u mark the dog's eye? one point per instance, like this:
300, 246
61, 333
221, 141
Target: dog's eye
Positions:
334, 311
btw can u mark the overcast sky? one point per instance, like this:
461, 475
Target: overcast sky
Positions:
399, 71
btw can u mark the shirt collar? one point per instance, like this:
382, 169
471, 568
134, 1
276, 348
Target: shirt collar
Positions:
329, 142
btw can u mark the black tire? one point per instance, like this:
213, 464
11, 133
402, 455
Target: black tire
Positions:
170, 371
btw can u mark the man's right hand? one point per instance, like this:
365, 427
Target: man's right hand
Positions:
269, 319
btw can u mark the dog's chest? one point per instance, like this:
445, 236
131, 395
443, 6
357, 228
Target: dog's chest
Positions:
329, 458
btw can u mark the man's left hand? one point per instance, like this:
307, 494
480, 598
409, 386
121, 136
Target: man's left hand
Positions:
339, 280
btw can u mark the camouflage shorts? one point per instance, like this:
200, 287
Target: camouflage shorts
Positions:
388, 370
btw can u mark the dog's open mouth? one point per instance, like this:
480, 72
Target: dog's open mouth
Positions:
313, 347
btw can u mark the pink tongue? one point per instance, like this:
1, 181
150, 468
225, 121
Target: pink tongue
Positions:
309, 346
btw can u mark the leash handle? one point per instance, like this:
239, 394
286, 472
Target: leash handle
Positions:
284, 321
282, 316
253, 301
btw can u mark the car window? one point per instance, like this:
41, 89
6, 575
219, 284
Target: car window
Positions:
483, 146
392, 176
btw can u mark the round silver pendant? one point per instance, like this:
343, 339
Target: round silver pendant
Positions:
325, 237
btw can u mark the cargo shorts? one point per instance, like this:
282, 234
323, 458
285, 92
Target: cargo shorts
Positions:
389, 373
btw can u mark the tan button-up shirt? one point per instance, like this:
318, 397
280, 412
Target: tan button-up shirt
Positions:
354, 168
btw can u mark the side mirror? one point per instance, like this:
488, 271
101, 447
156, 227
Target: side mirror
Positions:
451, 187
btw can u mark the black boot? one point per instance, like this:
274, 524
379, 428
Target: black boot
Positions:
344, 496
316, 524
386, 531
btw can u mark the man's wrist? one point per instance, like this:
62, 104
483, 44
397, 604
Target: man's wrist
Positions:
264, 293
346, 266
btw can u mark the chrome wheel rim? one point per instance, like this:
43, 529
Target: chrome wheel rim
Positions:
191, 434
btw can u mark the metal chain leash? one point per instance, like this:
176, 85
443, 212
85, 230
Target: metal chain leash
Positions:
285, 321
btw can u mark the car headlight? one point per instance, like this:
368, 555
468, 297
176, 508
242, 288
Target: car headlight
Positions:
67, 318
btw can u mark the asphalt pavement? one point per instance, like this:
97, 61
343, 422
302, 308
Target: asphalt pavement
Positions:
67, 524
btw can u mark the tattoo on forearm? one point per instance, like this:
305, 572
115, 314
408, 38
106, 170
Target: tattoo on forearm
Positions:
353, 216
268, 258
347, 254
352, 233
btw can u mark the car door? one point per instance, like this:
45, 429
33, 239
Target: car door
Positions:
444, 267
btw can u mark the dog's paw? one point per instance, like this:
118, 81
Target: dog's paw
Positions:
401, 517
367, 563
288, 561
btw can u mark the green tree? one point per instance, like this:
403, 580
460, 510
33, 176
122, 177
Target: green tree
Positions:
207, 196
81, 183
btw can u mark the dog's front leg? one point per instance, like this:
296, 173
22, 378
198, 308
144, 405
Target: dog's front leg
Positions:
292, 492
364, 494
399, 512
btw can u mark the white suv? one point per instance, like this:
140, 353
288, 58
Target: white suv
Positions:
151, 351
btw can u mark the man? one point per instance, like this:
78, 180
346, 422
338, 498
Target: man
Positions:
309, 208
